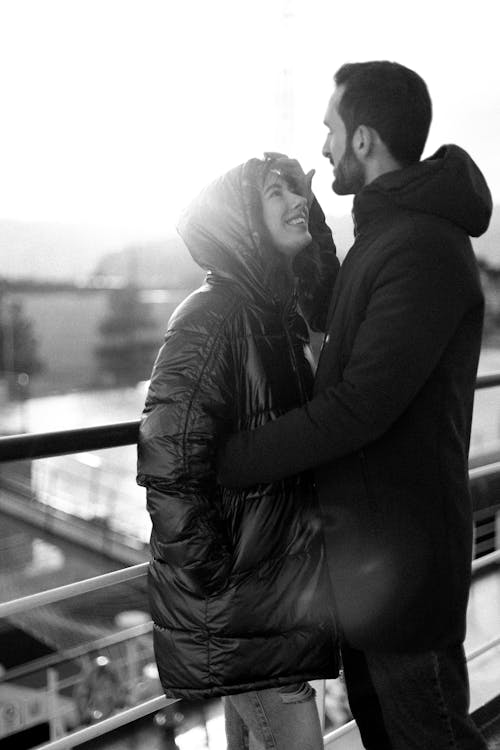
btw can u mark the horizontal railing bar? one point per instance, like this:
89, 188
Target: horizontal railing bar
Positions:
485, 560
483, 471
483, 649
52, 660
50, 596
336, 734
61, 442
43, 598
108, 725
488, 381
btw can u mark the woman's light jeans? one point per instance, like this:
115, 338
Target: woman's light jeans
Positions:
281, 718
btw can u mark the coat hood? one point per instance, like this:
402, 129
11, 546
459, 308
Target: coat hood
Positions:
448, 184
221, 227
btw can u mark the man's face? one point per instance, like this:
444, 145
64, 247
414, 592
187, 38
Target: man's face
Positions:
348, 171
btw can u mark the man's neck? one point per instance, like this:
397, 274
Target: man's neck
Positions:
377, 167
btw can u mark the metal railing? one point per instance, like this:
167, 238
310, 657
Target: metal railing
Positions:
62, 442
43, 445
43, 598
155, 704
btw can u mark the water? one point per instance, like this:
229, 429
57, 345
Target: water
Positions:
95, 486
101, 485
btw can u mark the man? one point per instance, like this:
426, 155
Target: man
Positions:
388, 428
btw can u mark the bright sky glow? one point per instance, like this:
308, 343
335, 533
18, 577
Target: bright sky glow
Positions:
116, 112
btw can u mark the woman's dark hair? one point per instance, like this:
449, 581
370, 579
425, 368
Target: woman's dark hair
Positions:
391, 99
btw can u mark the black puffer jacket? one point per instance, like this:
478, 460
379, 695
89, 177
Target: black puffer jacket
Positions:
239, 590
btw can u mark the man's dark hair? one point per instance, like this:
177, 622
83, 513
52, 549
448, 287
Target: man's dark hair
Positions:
391, 99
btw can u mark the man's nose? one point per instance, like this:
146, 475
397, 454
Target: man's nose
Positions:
326, 148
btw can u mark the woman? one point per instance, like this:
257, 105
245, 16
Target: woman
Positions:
239, 591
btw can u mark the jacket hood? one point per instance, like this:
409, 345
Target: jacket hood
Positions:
221, 229
448, 184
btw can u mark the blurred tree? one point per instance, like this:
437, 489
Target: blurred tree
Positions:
18, 345
129, 339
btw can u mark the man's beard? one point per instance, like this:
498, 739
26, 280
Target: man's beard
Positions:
349, 174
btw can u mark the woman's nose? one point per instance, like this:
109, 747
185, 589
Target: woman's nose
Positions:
298, 201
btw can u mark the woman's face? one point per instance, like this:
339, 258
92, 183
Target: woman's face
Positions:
285, 215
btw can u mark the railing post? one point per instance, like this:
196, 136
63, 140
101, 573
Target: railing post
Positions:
53, 708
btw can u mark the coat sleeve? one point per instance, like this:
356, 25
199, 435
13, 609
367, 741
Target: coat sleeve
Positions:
188, 408
316, 269
416, 303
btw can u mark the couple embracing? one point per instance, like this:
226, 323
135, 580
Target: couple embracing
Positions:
309, 523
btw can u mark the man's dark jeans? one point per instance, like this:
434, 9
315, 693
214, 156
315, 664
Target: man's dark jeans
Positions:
417, 701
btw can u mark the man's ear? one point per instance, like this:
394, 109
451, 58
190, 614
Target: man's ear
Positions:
363, 140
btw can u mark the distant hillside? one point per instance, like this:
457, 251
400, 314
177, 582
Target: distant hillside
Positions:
150, 265
56, 252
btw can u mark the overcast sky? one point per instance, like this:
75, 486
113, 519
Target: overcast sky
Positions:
116, 112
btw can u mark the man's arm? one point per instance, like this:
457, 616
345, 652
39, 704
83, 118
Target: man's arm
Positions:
417, 301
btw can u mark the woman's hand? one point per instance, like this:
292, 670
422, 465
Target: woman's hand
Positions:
293, 172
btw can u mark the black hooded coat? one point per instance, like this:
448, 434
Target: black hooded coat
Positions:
239, 589
388, 427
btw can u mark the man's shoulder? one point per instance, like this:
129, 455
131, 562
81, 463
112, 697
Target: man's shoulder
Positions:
426, 236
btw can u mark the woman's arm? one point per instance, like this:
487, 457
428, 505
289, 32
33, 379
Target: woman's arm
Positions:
187, 411
316, 268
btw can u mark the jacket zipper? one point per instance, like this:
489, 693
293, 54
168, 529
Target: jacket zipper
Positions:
303, 398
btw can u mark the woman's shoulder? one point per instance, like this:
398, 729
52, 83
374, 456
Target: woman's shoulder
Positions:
204, 308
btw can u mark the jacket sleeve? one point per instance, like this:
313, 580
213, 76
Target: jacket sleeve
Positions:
187, 410
416, 302
316, 269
